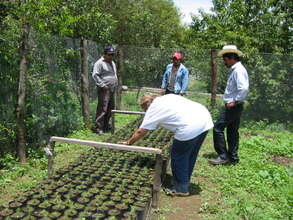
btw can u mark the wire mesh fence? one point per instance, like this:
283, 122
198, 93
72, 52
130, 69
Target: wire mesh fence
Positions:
53, 81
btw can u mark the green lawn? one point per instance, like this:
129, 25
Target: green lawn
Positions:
259, 187
256, 188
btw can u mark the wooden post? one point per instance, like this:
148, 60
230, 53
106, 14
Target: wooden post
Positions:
128, 112
113, 122
213, 77
120, 70
165, 168
157, 181
50, 154
84, 76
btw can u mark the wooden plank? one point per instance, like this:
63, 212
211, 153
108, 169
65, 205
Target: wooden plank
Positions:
128, 112
157, 181
107, 145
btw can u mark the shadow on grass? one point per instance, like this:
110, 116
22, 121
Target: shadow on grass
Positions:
194, 189
210, 155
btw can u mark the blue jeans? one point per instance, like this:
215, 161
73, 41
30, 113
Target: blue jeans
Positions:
183, 158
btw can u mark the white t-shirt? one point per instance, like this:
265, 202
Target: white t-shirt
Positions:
187, 119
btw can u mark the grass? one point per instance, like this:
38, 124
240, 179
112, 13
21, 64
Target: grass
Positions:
197, 86
257, 188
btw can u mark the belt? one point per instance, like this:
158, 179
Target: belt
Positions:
239, 103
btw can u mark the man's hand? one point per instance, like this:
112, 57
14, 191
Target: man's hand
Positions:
230, 105
135, 137
123, 142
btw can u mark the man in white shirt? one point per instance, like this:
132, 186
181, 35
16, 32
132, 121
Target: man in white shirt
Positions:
234, 96
190, 121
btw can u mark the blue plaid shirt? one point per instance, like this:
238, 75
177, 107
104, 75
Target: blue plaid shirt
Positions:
181, 81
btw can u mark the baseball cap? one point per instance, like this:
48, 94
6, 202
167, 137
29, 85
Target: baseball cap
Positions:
177, 55
109, 50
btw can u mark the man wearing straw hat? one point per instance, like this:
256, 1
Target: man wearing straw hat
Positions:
234, 96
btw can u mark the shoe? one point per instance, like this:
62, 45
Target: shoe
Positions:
99, 132
234, 161
173, 192
219, 161
182, 194
108, 129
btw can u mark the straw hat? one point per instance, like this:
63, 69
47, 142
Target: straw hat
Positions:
230, 49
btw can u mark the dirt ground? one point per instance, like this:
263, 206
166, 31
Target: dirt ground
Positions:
185, 208
179, 208
285, 161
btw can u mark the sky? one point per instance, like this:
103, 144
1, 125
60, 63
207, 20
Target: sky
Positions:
191, 6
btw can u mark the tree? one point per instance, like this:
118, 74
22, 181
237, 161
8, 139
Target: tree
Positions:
148, 23
64, 18
253, 25
257, 27
78, 19
85, 83
20, 110
21, 103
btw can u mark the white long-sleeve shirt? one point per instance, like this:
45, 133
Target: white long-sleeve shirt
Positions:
237, 84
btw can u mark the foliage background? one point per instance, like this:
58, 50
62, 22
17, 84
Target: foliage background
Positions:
148, 32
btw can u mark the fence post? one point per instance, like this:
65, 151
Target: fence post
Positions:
213, 77
50, 154
113, 122
157, 181
120, 70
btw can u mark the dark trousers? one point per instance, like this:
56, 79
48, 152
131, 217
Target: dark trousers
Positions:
230, 119
183, 158
169, 92
105, 105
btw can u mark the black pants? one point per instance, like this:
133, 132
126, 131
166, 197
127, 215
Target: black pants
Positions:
105, 105
169, 92
230, 119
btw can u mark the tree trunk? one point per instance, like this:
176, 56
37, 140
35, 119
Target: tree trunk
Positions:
84, 83
120, 70
20, 110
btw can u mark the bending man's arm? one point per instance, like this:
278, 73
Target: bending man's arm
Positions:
139, 133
